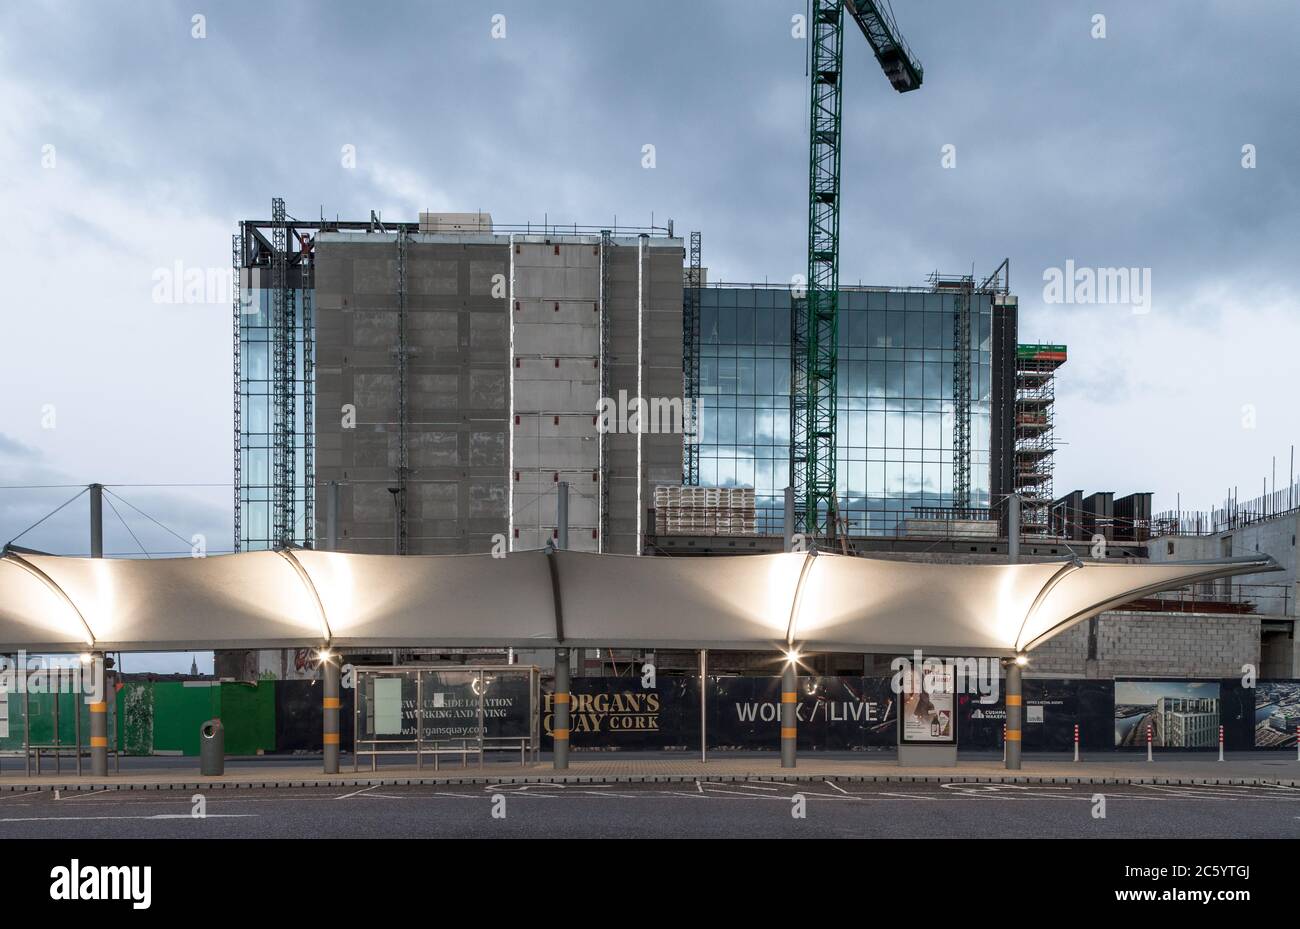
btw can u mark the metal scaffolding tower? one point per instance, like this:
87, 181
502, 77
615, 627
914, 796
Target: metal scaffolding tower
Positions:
691, 359
1035, 445
283, 376
237, 299
962, 287
403, 350
308, 268
606, 245
961, 388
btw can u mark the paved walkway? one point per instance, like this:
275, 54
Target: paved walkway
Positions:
182, 774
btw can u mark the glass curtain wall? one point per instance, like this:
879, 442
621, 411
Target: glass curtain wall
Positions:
895, 421
257, 433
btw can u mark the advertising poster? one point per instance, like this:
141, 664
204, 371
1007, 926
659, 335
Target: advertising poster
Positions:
1180, 714
1277, 714
928, 714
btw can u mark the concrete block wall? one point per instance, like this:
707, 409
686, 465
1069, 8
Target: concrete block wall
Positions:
1157, 644
458, 336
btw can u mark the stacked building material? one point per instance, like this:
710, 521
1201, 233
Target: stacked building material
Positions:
704, 510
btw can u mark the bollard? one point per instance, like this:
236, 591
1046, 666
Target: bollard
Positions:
1076, 741
1004, 743
212, 748
1220, 743
1149, 756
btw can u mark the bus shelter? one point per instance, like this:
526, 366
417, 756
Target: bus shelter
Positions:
458, 711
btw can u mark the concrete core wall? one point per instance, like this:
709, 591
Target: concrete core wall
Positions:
503, 383
457, 338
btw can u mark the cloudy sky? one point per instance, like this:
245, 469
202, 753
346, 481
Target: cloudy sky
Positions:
128, 144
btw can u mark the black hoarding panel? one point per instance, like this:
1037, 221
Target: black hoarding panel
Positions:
300, 718
1236, 712
833, 713
1052, 708
617, 713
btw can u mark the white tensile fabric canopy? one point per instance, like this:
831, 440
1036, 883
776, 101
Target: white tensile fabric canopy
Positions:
820, 602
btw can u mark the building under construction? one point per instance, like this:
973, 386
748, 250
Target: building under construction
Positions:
440, 380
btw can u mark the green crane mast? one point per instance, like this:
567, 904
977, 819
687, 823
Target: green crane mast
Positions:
815, 318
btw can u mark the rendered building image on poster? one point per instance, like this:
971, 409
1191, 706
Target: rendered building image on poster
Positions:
1180, 714
1277, 714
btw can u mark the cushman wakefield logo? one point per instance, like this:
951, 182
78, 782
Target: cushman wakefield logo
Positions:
103, 882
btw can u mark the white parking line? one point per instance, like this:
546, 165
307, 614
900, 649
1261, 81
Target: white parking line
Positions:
74, 819
837, 787
356, 793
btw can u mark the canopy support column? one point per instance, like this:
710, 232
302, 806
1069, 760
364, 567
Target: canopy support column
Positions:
98, 717
789, 717
1015, 713
560, 726
99, 706
331, 706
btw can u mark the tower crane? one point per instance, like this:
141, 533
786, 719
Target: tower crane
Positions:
815, 318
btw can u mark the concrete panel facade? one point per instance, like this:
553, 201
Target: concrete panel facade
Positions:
503, 382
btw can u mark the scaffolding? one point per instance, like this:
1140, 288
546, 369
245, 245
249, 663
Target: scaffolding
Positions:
283, 375
1035, 447
691, 360
963, 288
606, 245
272, 261
237, 299
307, 261
403, 349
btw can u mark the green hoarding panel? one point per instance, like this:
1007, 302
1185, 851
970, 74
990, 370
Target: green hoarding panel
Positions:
135, 719
248, 713
179, 710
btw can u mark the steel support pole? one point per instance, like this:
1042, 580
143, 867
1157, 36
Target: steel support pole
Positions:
99, 701
788, 522
331, 705
789, 705
560, 718
1013, 528
562, 516
332, 516
1015, 707
96, 520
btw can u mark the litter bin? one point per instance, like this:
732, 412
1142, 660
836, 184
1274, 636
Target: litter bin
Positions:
212, 748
